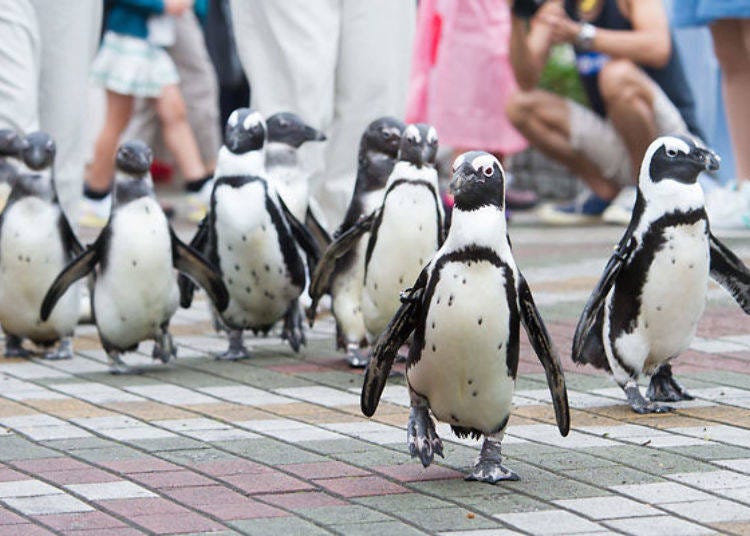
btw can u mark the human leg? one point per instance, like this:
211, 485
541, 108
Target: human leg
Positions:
101, 170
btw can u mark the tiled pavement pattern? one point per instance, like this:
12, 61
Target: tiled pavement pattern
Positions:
277, 445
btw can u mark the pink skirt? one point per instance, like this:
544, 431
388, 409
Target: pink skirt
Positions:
461, 75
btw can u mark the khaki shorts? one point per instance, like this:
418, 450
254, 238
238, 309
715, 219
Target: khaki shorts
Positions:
596, 138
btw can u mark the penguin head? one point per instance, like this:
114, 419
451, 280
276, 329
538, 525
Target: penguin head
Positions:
383, 136
11, 142
478, 181
675, 158
134, 158
245, 131
419, 145
290, 129
38, 151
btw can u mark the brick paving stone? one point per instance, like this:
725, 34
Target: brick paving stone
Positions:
658, 526
360, 486
549, 522
711, 511
136, 507
232, 466
171, 479
298, 500
140, 465
119, 531
47, 504
288, 526
608, 507
78, 476
386, 528
26, 529
9, 518
343, 515
88, 520
202, 495
413, 472
270, 482
245, 509
26, 488
453, 518
110, 490
324, 470
176, 523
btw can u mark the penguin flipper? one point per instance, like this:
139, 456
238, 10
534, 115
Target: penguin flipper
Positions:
344, 243
319, 233
730, 272
198, 243
387, 345
547, 354
596, 301
78, 268
303, 237
191, 263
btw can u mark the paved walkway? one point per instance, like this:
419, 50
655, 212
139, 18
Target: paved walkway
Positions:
277, 445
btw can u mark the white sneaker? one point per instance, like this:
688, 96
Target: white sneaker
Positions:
196, 203
620, 210
95, 212
729, 207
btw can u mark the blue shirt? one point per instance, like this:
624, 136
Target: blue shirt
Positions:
128, 17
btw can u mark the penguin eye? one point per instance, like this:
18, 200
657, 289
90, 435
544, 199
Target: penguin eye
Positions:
488, 171
671, 153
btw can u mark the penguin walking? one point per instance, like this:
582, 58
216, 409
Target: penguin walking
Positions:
252, 237
465, 310
135, 290
645, 309
287, 132
10, 152
36, 242
341, 269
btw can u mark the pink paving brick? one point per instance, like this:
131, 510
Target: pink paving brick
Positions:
414, 472
305, 499
9, 518
267, 483
141, 507
121, 531
202, 495
50, 464
80, 521
324, 470
140, 465
80, 476
361, 486
231, 467
9, 475
248, 509
27, 529
296, 369
171, 479
177, 523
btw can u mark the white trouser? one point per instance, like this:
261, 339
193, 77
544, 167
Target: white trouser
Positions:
199, 88
339, 64
47, 47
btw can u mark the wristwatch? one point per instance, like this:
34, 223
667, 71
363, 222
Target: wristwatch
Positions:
585, 37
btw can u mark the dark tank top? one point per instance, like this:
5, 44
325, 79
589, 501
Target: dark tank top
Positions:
670, 78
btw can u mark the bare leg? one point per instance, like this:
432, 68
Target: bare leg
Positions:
543, 118
178, 135
236, 348
488, 467
664, 388
420, 431
101, 170
732, 47
64, 350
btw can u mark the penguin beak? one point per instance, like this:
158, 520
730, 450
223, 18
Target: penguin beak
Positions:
459, 180
312, 134
706, 159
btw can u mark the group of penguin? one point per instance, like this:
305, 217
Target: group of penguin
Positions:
395, 274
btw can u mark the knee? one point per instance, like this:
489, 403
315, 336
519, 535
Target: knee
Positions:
731, 56
172, 112
622, 81
520, 106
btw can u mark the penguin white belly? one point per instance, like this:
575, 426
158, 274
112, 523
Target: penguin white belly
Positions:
292, 185
672, 301
137, 291
251, 260
31, 257
5, 189
462, 370
406, 240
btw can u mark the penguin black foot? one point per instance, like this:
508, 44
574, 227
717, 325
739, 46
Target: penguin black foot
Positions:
164, 348
356, 356
64, 350
640, 404
14, 348
664, 387
294, 331
236, 350
421, 436
488, 467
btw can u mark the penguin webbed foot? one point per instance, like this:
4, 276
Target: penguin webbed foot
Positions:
236, 350
488, 467
640, 404
14, 347
294, 331
665, 388
64, 350
164, 348
117, 366
422, 438
357, 357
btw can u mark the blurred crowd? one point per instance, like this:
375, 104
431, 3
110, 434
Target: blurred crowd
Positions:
169, 72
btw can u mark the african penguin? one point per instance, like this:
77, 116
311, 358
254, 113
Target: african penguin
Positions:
36, 242
135, 291
465, 310
407, 230
10, 153
342, 267
645, 309
252, 237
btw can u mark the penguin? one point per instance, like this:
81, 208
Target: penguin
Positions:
286, 134
341, 270
135, 289
10, 151
465, 311
36, 242
252, 237
645, 309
